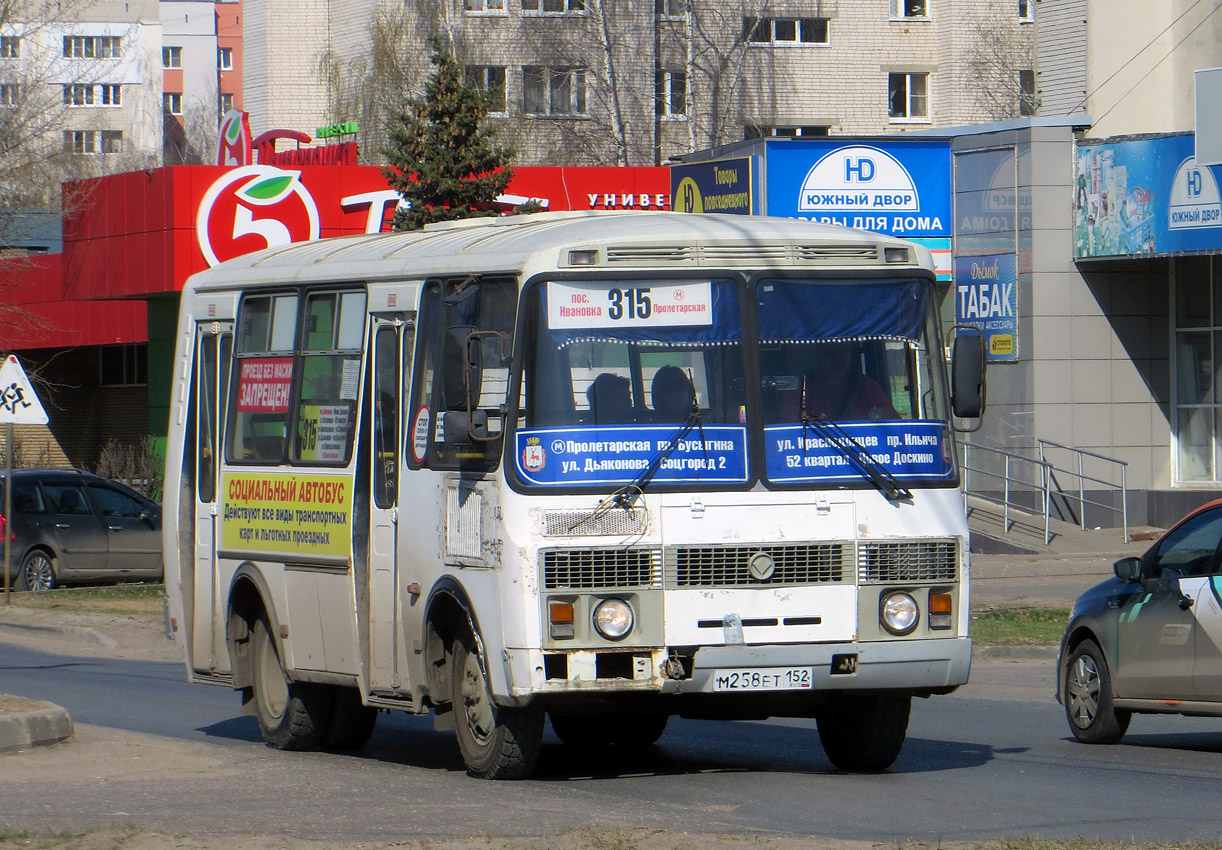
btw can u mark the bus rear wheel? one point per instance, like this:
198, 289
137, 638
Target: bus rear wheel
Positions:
864, 733
351, 724
496, 742
292, 715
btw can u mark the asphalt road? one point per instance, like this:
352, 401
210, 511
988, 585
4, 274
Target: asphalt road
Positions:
994, 760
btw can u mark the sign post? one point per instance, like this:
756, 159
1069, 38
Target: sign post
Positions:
18, 405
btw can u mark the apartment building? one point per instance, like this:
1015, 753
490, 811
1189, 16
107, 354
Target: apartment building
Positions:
82, 77
586, 82
201, 61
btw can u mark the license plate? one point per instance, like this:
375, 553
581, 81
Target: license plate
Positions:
765, 679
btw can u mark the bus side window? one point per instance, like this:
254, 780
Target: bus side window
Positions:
261, 388
330, 377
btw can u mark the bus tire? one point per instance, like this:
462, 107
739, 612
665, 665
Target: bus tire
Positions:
292, 715
637, 731
861, 734
581, 732
496, 742
351, 724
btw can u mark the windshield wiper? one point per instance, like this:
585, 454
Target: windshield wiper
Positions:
627, 495
836, 436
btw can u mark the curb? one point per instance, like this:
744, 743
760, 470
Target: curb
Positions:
1014, 653
32, 723
84, 633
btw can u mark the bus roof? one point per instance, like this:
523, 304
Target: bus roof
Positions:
620, 239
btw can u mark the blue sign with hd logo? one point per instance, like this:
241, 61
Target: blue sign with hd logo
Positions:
899, 188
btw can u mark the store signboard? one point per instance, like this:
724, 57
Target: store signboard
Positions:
901, 188
986, 298
1145, 197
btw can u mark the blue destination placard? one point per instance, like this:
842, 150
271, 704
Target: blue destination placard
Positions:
907, 450
618, 455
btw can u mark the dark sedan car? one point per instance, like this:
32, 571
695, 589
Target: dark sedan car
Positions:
1150, 639
72, 527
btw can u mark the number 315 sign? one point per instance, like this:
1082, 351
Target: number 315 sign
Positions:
624, 305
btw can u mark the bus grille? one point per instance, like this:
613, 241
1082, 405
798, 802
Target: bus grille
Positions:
617, 522
729, 566
603, 568
916, 560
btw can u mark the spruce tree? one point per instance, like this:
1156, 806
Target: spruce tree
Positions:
442, 161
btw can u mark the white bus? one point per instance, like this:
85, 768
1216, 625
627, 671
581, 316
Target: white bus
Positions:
594, 468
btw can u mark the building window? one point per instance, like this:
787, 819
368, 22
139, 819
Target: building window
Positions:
1026, 11
112, 94
554, 7
92, 47
786, 30
670, 89
123, 365
226, 103
1196, 359
670, 9
80, 141
10, 95
759, 131
477, 6
909, 9
78, 95
171, 57
172, 102
908, 96
224, 58
112, 141
490, 78
553, 91
1027, 103
10, 47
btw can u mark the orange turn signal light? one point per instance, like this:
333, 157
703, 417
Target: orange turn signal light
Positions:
939, 603
561, 612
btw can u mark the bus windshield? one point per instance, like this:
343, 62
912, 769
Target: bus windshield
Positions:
615, 368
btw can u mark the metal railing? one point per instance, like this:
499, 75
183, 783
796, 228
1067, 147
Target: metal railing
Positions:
1022, 482
1035, 485
1083, 457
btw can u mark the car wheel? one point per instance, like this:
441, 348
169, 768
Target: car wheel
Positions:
36, 573
1093, 718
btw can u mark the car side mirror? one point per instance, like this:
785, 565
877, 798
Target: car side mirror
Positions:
1128, 569
967, 361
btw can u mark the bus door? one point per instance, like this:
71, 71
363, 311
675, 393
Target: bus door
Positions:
213, 352
391, 339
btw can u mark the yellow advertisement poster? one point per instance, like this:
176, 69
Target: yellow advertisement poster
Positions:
289, 513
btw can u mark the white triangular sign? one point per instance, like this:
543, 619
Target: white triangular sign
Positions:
18, 403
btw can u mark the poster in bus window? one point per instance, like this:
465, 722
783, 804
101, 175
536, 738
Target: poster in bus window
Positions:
324, 432
264, 384
986, 298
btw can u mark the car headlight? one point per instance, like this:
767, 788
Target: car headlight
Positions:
613, 619
899, 613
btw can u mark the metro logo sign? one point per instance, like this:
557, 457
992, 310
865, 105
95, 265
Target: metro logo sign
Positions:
252, 208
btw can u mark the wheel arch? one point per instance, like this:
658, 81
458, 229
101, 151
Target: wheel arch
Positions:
448, 615
249, 599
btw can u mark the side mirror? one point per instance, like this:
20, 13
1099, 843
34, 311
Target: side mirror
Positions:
967, 373
1128, 569
462, 373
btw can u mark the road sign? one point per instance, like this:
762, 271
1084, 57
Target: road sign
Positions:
19, 405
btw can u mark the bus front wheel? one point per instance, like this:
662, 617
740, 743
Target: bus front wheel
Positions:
864, 733
292, 715
496, 742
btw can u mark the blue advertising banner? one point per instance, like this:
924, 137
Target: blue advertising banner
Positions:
908, 450
898, 188
1145, 197
728, 186
986, 298
617, 455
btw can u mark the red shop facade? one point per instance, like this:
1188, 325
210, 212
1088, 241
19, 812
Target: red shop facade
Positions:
96, 321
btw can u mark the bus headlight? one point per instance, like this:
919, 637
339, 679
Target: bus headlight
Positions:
899, 613
613, 619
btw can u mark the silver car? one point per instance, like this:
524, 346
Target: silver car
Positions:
1150, 639
72, 527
